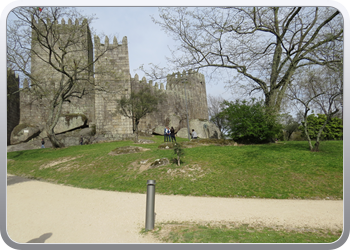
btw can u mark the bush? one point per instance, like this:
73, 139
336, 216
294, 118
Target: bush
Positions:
332, 131
250, 122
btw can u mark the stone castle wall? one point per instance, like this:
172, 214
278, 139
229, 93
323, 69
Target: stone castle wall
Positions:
112, 80
13, 111
172, 113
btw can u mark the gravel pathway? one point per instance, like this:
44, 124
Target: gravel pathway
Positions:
44, 212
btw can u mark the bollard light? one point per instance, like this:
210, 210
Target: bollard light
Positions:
150, 201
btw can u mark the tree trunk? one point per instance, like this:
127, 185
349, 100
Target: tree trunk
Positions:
53, 116
305, 129
137, 131
54, 141
315, 149
320, 132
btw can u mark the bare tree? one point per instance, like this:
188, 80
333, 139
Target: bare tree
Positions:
315, 90
57, 59
214, 109
264, 46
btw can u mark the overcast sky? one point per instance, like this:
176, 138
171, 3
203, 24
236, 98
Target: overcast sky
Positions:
146, 41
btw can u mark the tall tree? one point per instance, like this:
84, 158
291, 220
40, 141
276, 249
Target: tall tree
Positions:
264, 46
56, 58
141, 102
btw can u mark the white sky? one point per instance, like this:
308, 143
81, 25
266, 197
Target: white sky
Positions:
147, 43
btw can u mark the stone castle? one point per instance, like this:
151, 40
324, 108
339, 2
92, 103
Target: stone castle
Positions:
97, 110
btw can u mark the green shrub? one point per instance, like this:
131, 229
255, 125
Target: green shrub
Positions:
332, 131
250, 122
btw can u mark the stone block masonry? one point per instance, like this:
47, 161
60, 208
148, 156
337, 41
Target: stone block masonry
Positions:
13, 111
112, 80
179, 87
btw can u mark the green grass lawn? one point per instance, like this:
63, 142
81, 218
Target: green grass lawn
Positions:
173, 232
278, 170
284, 170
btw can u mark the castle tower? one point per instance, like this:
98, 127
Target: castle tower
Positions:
112, 76
78, 58
193, 85
173, 111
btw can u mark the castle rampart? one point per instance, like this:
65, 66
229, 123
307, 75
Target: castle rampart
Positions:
110, 78
188, 86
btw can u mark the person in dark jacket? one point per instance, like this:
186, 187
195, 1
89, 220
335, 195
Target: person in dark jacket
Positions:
42, 143
172, 134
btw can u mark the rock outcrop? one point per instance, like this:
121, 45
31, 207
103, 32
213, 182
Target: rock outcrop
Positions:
204, 129
23, 133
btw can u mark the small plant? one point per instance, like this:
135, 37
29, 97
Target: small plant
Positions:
179, 151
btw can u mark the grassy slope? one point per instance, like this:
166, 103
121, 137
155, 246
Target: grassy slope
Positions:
283, 170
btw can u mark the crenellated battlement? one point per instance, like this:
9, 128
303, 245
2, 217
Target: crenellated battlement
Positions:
99, 45
135, 81
185, 92
176, 81
176, 77
63, 22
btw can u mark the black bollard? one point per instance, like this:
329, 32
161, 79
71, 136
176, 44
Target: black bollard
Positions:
150, 201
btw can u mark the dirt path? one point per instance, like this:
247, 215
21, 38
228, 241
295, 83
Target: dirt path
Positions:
45, 212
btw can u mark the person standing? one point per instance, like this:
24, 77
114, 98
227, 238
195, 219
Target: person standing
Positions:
81, 140
42, 143
166, 134
172, 134
169, 134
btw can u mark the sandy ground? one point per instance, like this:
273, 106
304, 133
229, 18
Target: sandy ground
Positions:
45, 212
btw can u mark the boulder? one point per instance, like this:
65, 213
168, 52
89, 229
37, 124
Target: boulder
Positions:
203, 128
23, 133
70, 122
174, 121
159, 130
182, 133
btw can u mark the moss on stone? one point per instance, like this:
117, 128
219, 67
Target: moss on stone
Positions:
93, 129
20, 127
69, 117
